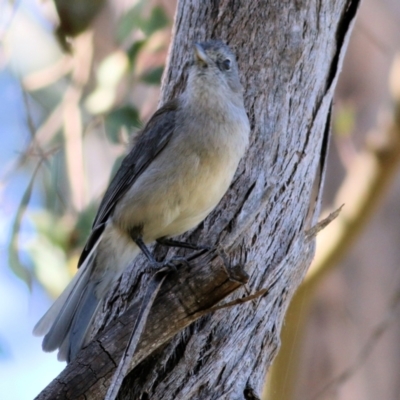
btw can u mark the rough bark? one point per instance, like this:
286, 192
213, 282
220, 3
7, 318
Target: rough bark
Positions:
289, 53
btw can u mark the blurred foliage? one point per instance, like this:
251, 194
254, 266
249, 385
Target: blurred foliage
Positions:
134, 19
345, 120
13, 250
75, 17
153, 77
125, 116
84, 104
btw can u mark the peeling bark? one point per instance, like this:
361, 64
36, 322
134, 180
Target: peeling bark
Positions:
289, 54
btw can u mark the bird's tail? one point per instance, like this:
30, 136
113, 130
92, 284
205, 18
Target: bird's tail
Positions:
66, 324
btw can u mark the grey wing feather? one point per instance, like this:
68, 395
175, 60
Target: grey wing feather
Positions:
84, 315
56, 323
150, 142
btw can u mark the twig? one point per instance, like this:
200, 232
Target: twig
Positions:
48, 75
13, 246
313, 231
72, 121
198, 287
241, 300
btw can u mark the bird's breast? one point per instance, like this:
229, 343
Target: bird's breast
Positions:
185, 182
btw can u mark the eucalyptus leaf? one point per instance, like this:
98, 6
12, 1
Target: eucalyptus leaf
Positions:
153, 77
84, 223
134, 50
126, 116
158, 20
13, 248
134, 19
129, 21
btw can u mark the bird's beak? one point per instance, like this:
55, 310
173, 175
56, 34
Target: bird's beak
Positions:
200, 56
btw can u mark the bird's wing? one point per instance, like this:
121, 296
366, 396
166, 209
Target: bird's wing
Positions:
149, 143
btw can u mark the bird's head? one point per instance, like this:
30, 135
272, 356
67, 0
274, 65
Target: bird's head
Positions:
215, 64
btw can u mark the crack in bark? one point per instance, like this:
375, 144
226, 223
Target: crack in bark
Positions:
250, 394
345, 22
106, 352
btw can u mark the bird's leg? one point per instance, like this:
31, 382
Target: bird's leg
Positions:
139, 241
170, 263
185, 245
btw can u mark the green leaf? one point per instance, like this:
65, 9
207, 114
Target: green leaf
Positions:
133, 19
133, 51
49, 225
83, 224
158, 20
49, 262
344, 121
126, 116
153, 77
129, 21
13, 248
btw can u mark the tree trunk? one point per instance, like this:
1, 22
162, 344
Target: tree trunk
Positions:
289, 54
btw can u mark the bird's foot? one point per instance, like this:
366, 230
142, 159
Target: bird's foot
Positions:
174, 262
169, 265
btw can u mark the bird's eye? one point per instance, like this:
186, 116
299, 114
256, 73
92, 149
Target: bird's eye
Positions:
226, 64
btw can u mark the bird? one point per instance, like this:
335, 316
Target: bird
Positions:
178, 169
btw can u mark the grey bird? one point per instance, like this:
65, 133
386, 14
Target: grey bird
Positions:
180, 166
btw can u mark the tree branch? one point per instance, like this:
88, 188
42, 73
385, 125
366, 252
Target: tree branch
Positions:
183, 299
289, 54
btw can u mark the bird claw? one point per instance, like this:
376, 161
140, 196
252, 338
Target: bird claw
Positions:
175, 262
170, 265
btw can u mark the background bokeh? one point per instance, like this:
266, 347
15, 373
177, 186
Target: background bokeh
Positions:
77, 78
354, 323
